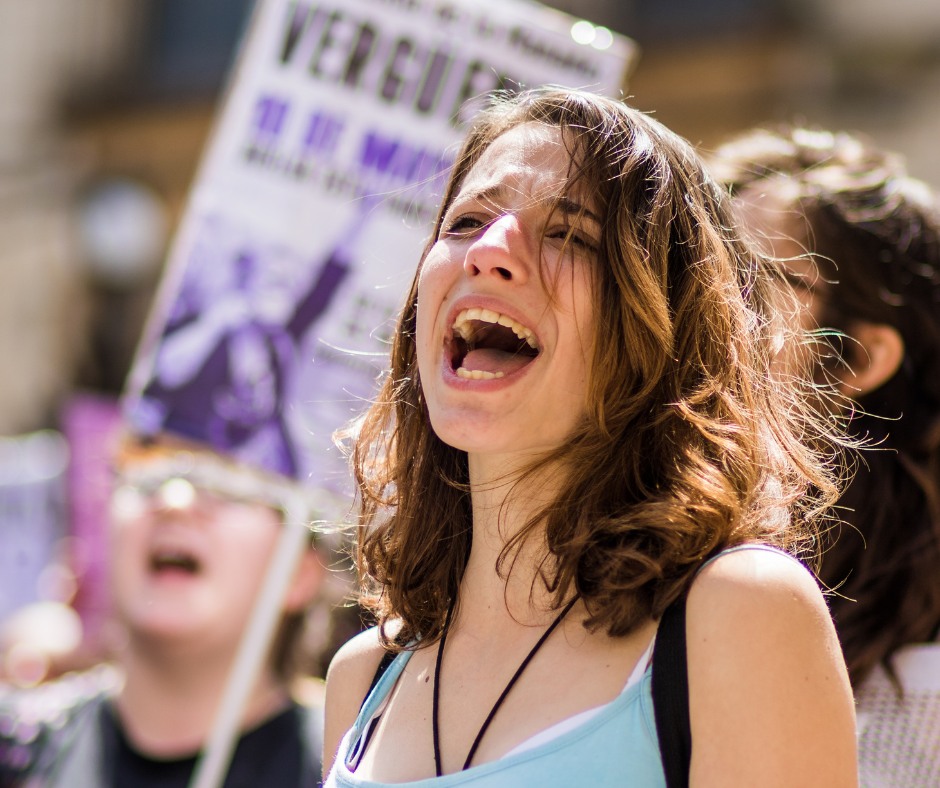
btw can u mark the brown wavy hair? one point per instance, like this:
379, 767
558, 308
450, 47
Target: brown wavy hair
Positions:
873, 233
688, 445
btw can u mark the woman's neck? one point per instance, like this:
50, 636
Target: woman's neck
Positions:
168, 703
503, 505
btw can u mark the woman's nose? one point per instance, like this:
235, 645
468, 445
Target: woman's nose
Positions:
501, 250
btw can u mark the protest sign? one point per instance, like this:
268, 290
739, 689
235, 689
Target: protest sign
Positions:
91, 427
311, 207
32, 515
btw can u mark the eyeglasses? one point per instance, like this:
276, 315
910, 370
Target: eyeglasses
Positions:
177, 478
175, 493
182, 479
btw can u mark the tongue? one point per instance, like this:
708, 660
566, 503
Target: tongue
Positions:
492, 360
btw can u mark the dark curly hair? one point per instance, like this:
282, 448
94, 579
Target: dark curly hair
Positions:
873, 233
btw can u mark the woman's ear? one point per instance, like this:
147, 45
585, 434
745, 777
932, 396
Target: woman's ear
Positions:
874, 352
306, 583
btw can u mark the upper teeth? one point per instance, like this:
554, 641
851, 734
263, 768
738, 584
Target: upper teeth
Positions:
462, 324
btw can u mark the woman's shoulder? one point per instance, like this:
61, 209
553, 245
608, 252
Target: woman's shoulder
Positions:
355, 662
757, 566
766, 675
744, 592
348, 680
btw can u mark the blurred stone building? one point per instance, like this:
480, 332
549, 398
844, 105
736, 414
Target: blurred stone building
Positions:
105, 105
46, 48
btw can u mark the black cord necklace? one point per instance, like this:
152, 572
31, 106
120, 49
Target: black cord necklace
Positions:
489, 717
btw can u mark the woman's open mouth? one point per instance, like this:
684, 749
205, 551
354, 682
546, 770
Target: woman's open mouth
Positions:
166, 561
487, 345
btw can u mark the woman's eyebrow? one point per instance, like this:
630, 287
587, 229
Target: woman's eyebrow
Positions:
490, 194
566, 205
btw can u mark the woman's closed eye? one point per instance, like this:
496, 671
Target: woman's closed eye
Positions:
463, 225
569, 235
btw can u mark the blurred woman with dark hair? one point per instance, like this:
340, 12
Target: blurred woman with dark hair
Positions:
861, 239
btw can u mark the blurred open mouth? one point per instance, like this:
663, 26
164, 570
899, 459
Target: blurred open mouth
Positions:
486, 345
167, 562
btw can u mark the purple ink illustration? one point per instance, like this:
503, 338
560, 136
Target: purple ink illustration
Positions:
231, 342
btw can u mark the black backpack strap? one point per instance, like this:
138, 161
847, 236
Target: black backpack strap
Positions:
671, 696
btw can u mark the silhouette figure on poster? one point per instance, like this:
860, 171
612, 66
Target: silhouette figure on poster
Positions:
223, 367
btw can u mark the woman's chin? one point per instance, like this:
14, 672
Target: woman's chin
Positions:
169, 624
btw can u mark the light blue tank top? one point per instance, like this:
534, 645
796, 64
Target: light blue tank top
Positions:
617, 746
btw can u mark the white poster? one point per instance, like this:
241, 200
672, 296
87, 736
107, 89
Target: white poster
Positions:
313, 201
33, 515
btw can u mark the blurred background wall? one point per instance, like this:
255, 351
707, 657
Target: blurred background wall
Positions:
105, 104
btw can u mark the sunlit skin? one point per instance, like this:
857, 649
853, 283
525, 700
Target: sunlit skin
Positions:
504, 219
870, 353
780, 231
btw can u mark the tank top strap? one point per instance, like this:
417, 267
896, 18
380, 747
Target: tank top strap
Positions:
378, 695
372, 708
